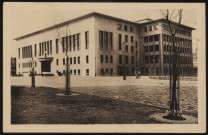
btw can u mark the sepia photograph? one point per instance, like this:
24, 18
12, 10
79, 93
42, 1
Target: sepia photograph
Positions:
104, 67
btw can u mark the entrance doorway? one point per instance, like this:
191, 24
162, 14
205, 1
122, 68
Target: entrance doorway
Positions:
45, 66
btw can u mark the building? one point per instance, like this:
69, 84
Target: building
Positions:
156, 42
101, 45
13, 66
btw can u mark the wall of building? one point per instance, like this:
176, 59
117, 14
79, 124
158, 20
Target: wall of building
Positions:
80, 26
111, 25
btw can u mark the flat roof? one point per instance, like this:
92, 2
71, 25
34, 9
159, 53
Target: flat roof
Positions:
89, 15
164, 20
73, 20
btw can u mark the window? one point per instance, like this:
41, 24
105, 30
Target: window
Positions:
106, 40
78, 59
156, 58
132, 48
63, 61
101, 58
136, 44
125, 28
87, 59
131, 29
145, 29
19, 52
70, 72
63, 71
63, 43
136, 54
75, 71
102, 71
87, 72
74, 60
77, 41
119, 26
50, 46
150, 38
150, 28
70, 42
57, 62
70, 60
151, 48
132, 39
152, 59
145, 48
74, 41
126, 48
132, 59
106, 71
35, 50
120, 40
111, 40
156, 37
111, 59
146, 39
156, 47
106, 58
120, 59
127, 59
56, 45
155, 27
126, 38
78, 71
87, 39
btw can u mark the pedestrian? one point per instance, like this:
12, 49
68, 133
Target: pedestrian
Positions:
136, 73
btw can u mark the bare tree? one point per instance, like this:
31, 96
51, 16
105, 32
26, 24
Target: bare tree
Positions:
63, 35
173, 27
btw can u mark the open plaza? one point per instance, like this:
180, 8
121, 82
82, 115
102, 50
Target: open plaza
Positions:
100, 100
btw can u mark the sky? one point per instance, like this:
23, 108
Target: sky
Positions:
25, 18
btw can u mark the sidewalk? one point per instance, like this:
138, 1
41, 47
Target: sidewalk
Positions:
59, 82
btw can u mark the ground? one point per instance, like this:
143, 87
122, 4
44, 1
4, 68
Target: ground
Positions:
130, 102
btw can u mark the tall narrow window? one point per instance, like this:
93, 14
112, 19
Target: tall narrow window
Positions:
42, 49
132, 48
125, 28
126, 38
63, 61
136, 44
87, 59
78, 71
111, 59
120, 41
56, 45
145, 29
70, 42
132, 59
39, 49
51, 47
120, 59
78, 59
101, 58
77, 41
87, 72
111, 40
106, 58
74, 42
74, 60
19, 52
48, 47
132, 39
63, 43
106, 40
101, 38
127, 59
57, 62
35, 50
70, 60
31, 51
87, 39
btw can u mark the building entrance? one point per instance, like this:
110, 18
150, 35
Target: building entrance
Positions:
46, 66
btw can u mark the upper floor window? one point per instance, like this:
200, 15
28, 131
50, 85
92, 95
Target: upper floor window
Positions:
145, 29
125, 28
126, 38
87, 39
119, 26
131, 29
156, 37
145, 39
56, 45
74, 60
101, 58
150, 28
132, 39
106, 59
87, 59
155, 27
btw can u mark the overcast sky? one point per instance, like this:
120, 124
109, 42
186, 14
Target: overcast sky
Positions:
29, 17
